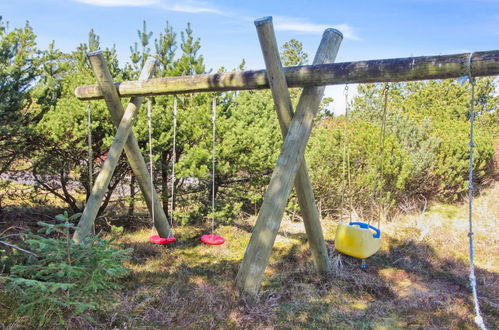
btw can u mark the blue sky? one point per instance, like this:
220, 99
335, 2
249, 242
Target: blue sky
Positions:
372, 29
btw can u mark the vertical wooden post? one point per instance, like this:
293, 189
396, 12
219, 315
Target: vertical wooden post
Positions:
284, 108
290, 159
124, 139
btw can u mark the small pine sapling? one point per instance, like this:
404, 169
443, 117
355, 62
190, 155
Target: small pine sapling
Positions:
66, 278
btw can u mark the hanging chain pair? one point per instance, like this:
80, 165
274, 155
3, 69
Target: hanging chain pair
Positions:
174, 160
151, 161
213, 121
151, 167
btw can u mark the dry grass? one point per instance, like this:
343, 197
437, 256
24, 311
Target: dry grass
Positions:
417, 280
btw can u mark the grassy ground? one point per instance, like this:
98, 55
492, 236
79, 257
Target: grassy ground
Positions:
417, 280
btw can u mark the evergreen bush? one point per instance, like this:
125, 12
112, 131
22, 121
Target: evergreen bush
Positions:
369, 185
65, 278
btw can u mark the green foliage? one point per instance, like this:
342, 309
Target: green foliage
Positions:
19, 60
9, 258
326, 155
247, 139
452, 161
292, 53
425, 152
60, 158
431, 121
65, 277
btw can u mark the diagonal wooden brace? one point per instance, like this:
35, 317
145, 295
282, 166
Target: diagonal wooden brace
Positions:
284, 108
290, 159
124, 139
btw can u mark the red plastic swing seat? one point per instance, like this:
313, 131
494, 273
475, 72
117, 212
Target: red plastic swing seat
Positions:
156, 239
211, 239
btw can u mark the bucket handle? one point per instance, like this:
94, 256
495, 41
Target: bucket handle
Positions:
364, 225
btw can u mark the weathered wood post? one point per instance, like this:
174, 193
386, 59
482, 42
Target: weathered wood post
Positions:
284, 108
290, 159
124, 139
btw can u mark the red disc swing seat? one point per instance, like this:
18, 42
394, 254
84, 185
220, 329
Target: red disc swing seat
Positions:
156, 239
211, 239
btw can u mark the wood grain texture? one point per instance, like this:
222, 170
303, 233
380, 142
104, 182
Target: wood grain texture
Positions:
290, 158
386, 70
284, 109
124, 139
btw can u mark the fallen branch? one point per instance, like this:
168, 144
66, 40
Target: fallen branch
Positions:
18, 248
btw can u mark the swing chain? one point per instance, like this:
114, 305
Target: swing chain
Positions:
150, 159
213, 119
174, 159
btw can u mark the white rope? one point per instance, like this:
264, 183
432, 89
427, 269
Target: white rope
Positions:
90, 156
382, 153
174, 159
213, 118
150, 159
478, 317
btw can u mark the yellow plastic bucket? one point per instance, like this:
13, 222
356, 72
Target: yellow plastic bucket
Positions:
356, 241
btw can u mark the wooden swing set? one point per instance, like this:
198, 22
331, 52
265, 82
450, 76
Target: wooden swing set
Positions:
296, 128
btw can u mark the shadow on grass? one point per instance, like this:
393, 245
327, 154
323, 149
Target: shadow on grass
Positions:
189, 285
408, 285
249, 228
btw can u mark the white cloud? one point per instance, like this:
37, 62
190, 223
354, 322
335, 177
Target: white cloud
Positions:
192, 7
337, 92
301, 25
119, 3
281, 23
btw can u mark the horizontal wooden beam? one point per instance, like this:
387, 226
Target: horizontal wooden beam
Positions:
387, 70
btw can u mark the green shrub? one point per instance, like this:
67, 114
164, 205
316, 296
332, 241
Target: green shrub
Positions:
327, 159
452, 163
430, 120
65, 278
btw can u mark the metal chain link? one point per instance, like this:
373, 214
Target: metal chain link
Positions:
151, 169
213, 119
174, 159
